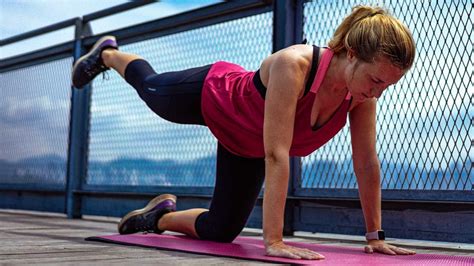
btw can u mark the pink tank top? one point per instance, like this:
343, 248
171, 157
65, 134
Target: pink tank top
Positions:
233, 110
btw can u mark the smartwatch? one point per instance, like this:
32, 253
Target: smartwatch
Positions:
375, 235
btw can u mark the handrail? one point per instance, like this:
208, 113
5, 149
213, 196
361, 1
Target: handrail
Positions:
40, 31
116, 9
187, 20
184, 21
71, 22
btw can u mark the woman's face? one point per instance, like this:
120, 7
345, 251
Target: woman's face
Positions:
369, 80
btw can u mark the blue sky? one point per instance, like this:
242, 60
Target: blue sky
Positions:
19, 16
50, 101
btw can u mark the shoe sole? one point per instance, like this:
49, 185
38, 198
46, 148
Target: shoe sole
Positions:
97, 44
157, 200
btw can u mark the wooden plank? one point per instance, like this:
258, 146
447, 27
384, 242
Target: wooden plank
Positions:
113, 254
53, 240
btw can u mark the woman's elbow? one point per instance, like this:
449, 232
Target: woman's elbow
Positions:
276, 156
367, 164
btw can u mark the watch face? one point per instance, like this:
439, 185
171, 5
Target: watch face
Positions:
381, 235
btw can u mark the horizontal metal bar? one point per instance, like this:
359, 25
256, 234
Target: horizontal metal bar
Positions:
72, 22
146, 189
112, 194
399, 222
33, 200
400, 195
40, 31
40, 188
119, 205
55, 52
206, 193
439, 206
116, 9
202, 17
189, 20
326, 193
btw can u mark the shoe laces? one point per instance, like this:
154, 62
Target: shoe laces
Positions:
94, 67
144, 224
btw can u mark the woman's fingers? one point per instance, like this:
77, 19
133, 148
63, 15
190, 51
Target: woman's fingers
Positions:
306, 253
310, 256
282, 250
403, 251
290, 254
368, 249
388, 249
385, 249
282, 253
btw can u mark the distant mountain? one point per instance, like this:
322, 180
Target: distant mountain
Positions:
43, 159
201, 172
330, 174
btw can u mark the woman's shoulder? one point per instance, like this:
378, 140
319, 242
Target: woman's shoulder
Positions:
299, 53
297, 56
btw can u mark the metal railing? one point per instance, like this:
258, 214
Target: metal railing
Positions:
103, 152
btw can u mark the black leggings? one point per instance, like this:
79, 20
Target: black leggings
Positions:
176, 97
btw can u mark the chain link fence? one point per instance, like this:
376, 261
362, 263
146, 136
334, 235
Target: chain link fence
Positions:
424, 121
34, 123
131, 145
127, 153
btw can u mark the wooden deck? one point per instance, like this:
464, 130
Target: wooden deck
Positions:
49, 239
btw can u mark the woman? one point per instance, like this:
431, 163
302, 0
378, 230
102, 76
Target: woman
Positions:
295, 102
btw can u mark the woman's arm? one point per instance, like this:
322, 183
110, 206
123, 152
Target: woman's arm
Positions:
286, 80
367, 170
366, 162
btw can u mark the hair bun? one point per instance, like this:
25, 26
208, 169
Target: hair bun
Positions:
361, 12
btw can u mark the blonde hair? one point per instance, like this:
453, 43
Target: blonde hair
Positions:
372, 31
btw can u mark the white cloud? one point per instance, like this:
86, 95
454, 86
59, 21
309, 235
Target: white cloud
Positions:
40, 13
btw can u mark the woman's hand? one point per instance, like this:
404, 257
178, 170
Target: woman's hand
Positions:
381, 247
279, 249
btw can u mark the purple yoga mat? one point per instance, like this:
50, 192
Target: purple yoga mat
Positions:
253, 249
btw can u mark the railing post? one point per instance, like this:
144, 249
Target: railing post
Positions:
287, 30
78, 142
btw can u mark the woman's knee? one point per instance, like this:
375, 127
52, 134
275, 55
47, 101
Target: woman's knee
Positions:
219, 230
223, 234
137, 72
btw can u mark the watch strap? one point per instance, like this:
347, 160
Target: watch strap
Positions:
375, 235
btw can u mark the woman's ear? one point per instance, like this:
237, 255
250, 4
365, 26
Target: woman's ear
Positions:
350, 55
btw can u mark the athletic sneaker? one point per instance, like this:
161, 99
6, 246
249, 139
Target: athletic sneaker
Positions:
90, 65
146, 219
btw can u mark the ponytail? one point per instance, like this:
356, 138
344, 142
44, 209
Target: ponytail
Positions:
370, 32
